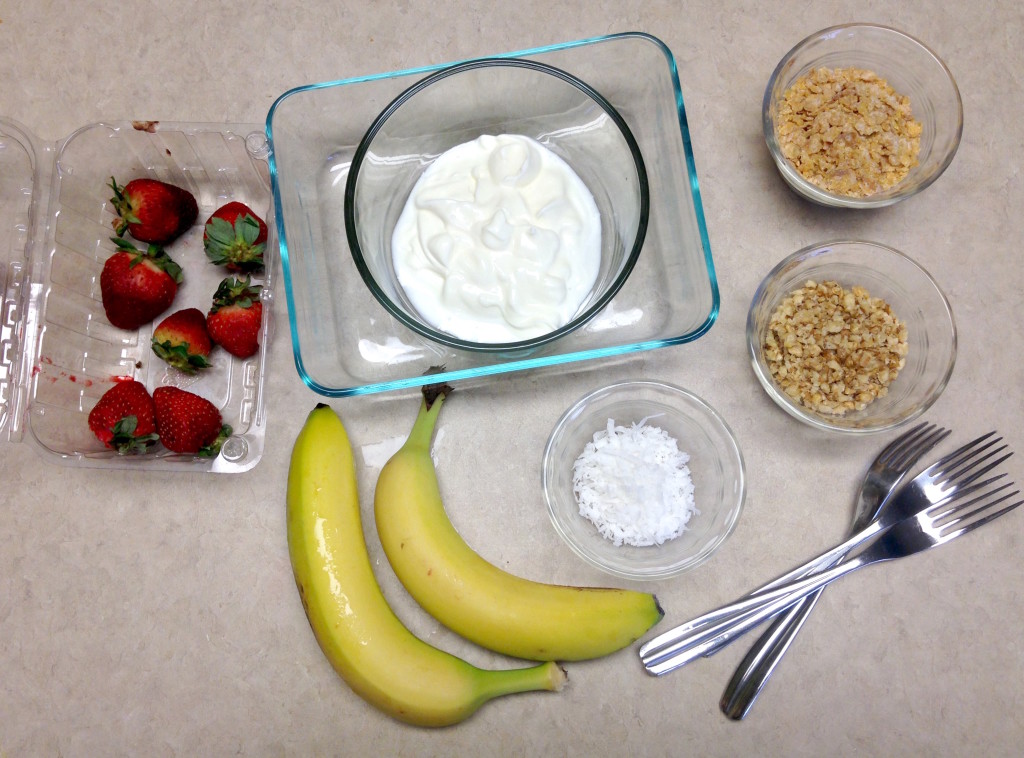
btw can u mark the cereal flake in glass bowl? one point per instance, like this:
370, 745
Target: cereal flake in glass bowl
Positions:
861, 116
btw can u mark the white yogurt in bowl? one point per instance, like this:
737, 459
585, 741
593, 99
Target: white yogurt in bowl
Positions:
499, 241
500, 244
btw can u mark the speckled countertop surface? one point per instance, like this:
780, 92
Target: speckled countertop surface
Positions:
155, 614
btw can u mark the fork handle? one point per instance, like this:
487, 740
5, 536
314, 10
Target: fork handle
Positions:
723, 625
760, 661
826, 560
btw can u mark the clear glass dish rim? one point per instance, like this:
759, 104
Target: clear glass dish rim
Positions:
422, 327
525, 363
811, 191
735, 451
793, 409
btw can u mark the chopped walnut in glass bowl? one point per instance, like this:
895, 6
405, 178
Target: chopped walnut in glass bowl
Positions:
861, 116
833, 349
851, 336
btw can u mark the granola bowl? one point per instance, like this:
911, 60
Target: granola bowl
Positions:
861, 116
868, 347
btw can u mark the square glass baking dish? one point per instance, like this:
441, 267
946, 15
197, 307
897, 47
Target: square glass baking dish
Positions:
58, 352
345, 343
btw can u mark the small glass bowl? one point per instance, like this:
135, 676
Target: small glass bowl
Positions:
914, 297
909, 67
495, 96
716, 468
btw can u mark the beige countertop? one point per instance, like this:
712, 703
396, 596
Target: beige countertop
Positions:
155, 614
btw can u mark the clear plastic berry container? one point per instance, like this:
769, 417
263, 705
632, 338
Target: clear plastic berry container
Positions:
58, 352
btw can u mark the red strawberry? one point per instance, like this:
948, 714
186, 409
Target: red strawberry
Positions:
181, 340
188, 423
137, 286
235, 237
124, 418
153, 211
236, 316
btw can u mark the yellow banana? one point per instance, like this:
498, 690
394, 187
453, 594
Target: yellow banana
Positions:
365, 642
496, 610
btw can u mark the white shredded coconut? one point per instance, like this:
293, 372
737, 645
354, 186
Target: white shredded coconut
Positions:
634, 484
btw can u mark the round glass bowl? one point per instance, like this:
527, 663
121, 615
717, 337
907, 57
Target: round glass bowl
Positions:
495, 96
716, 468
915, 299
909, 67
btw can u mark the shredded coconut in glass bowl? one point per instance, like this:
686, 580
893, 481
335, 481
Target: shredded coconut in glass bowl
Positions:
633, 483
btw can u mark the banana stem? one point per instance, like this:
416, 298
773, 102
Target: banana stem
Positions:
547, 676
423, 428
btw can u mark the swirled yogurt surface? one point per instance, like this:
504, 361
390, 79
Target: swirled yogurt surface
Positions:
499, 241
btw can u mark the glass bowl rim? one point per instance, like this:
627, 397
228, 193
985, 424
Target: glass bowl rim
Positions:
496, 347
815, 250
811, 191
732, 452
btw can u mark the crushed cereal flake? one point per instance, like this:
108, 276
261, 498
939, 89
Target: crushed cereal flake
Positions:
847, 131
834, 350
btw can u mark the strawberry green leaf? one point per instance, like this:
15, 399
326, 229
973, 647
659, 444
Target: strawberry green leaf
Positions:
220, 232
124, 439
164, 261
234, 245
247, 228
179, 356
212, 450
235, 292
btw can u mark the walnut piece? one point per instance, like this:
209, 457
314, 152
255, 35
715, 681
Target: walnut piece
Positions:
847, 131
834, 350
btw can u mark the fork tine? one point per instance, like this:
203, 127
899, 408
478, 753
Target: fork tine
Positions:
917, 447
944, 466
908, 438
946, 510
945, 536
967, 475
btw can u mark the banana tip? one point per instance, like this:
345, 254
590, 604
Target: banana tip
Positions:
660, 610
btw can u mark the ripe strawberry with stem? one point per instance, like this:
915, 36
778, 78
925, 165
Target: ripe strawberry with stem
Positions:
235, 237
137, 286
152, 211
124, 419
182, 341
235, 319
188, 423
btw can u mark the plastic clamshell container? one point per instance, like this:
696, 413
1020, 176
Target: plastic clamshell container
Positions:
58, 352
346, 343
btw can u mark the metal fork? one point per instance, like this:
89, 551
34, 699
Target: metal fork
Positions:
940, 489
912, 499
880, 481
